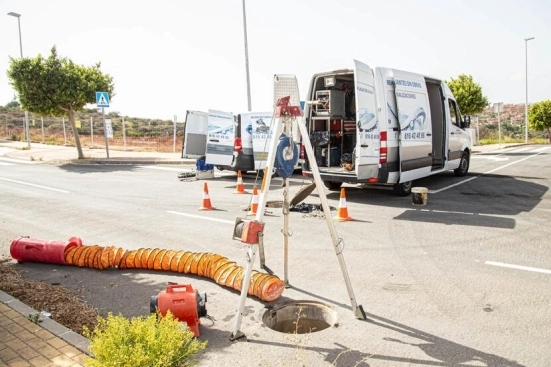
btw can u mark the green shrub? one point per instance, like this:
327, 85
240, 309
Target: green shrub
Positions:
142, 342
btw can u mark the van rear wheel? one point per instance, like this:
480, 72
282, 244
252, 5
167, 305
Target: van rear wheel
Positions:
463, 165
332, 185
403, 188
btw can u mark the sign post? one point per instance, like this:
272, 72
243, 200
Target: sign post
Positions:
498, 108
102, 100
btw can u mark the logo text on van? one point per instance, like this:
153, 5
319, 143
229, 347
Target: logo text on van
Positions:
407, 83
365, 90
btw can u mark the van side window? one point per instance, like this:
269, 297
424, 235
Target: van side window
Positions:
454, 113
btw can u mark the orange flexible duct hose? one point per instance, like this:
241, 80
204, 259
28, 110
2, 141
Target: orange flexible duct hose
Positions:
217, 267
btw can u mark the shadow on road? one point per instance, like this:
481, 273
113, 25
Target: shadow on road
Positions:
485, 200
442, 352
97, 168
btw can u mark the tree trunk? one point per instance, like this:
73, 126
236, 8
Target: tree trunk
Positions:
549, 135
75, 133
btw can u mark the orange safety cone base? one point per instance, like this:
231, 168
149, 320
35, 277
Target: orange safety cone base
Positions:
206, 199
342, 219
240, 189
342, 212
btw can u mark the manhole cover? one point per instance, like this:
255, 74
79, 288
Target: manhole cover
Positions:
300, 317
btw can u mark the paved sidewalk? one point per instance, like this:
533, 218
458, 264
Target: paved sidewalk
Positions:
24, 343
58, 154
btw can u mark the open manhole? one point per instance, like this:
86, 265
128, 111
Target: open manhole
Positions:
300, 317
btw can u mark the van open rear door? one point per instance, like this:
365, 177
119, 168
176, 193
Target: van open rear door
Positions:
367, 133
220, 138
195, 135
287, 85
415, 125
259, 125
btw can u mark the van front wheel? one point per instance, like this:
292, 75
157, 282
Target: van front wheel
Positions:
403, 188
463, 165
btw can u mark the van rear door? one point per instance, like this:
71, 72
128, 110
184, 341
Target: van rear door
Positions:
415, 125
195, 134
261, 129
367, 133
220, 138
287, 85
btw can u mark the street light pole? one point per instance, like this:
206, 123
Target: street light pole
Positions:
247, 58
18, 16
526, 94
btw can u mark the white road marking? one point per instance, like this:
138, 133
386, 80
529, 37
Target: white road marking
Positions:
34, 185
6, 164
14, 161
161, 168
495, 158
202, 217
518, 267
518, 150
485, 173
542, 149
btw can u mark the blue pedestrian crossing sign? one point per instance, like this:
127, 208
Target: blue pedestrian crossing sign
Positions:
102, 99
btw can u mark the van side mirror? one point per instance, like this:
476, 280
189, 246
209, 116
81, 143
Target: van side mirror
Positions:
466, 122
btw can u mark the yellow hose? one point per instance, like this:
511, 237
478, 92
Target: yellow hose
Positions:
217, 267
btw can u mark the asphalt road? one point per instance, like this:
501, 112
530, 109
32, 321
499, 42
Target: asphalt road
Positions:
465, 279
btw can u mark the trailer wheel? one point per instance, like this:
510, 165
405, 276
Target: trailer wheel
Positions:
403, 189
463, 165
332, 185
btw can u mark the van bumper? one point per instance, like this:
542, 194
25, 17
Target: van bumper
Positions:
383, 175
242, 162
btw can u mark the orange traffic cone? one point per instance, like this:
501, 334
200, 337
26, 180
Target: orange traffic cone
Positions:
342, 213
206, 199
240, 187
254, 202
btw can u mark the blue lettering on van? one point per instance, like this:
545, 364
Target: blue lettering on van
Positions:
369, 136
365, 90
406, 95
262, 136
219, 136
390, 82
414, 135
408, 83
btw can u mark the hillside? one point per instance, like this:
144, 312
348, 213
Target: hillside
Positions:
138, 133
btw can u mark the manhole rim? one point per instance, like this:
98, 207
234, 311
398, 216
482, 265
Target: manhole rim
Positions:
330, 313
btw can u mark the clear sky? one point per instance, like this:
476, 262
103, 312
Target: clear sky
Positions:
169, 56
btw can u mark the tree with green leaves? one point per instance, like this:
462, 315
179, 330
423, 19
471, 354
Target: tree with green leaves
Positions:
58, 87
539, 117
13, 104
468, 94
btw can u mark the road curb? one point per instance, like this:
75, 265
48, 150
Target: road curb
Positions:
76, 340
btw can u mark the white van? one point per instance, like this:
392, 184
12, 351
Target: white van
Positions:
384, 127
229, 142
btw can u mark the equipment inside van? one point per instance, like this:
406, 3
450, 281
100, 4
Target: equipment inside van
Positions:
384, 127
